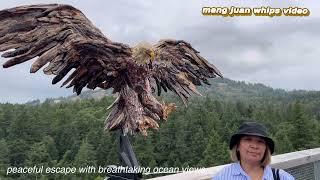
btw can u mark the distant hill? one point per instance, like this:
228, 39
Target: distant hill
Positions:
88, 94
239, 90
223, 89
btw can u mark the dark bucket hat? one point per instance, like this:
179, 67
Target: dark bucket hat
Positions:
253, 129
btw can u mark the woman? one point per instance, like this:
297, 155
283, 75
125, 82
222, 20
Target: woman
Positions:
251, 150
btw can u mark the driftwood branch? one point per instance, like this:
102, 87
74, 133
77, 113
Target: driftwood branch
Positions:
63, 39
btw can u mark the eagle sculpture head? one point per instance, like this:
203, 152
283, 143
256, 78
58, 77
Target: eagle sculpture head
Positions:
143, 53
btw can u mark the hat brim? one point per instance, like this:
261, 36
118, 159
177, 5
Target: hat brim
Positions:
236, 137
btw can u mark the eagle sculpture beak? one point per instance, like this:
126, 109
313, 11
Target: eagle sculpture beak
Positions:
152, 56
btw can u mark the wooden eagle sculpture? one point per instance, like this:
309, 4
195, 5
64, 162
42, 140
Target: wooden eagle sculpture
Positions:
61, 37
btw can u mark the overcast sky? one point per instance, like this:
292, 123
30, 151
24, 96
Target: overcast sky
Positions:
280, 52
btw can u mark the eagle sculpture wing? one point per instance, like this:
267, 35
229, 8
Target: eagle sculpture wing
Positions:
62, 37
179, 68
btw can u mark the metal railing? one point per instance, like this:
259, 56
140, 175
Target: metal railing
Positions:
303, 165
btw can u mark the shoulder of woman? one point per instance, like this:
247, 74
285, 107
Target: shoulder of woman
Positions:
224, 172
284, 175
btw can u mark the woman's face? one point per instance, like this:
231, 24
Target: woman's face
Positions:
252, 149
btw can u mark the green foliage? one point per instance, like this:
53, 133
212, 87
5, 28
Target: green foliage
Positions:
85, 158
216, 151
302, 133
85, 155
70, 133
4, 157
282, 140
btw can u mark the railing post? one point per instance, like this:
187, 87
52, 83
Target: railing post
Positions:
317, 170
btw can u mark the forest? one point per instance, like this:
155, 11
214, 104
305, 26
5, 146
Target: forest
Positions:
71, 133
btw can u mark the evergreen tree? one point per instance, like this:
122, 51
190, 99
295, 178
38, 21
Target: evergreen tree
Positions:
144, 149
18, 152
106, 151
67, 159
2, 129
283, 144
85, 156
50, 147
38, 155
229, 122
7, 113
301, 134
216, 152
4, 157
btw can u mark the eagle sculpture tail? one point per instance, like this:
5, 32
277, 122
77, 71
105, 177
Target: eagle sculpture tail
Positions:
136, 112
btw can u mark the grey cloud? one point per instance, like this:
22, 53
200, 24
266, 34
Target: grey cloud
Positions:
278, 43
